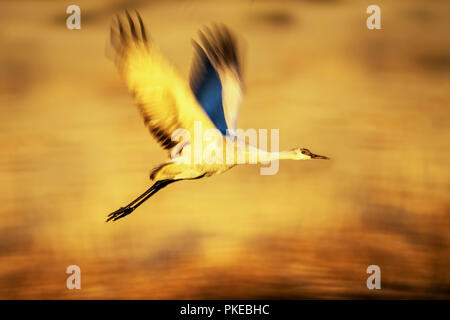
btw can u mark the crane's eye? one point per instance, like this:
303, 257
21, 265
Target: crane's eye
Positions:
306, 152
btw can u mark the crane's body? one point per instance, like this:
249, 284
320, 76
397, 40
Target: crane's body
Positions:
168, 103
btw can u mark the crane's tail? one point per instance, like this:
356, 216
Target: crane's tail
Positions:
124, 211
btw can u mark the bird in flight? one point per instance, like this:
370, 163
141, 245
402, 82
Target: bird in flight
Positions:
167, 103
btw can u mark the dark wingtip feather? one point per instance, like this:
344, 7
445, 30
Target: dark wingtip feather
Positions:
121, 36
132, 27
141, 24
220, 45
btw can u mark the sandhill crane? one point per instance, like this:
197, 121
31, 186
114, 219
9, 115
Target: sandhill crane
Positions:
167, 102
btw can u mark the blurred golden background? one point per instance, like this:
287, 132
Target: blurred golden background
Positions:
74, 149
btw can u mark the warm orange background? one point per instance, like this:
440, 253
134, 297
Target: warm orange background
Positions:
74, 148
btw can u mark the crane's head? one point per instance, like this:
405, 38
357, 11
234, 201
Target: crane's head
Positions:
305, 154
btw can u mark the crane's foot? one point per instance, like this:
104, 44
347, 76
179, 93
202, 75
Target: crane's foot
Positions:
120, 213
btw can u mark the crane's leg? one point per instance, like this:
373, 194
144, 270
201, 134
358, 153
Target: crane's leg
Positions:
129, 208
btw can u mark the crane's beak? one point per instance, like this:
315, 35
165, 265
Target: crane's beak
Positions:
316, 156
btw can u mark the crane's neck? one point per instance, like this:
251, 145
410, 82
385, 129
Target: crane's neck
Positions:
252, 154
240, 152
265, 156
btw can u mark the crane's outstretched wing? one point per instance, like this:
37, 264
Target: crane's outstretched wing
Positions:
164, 99
216, 77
